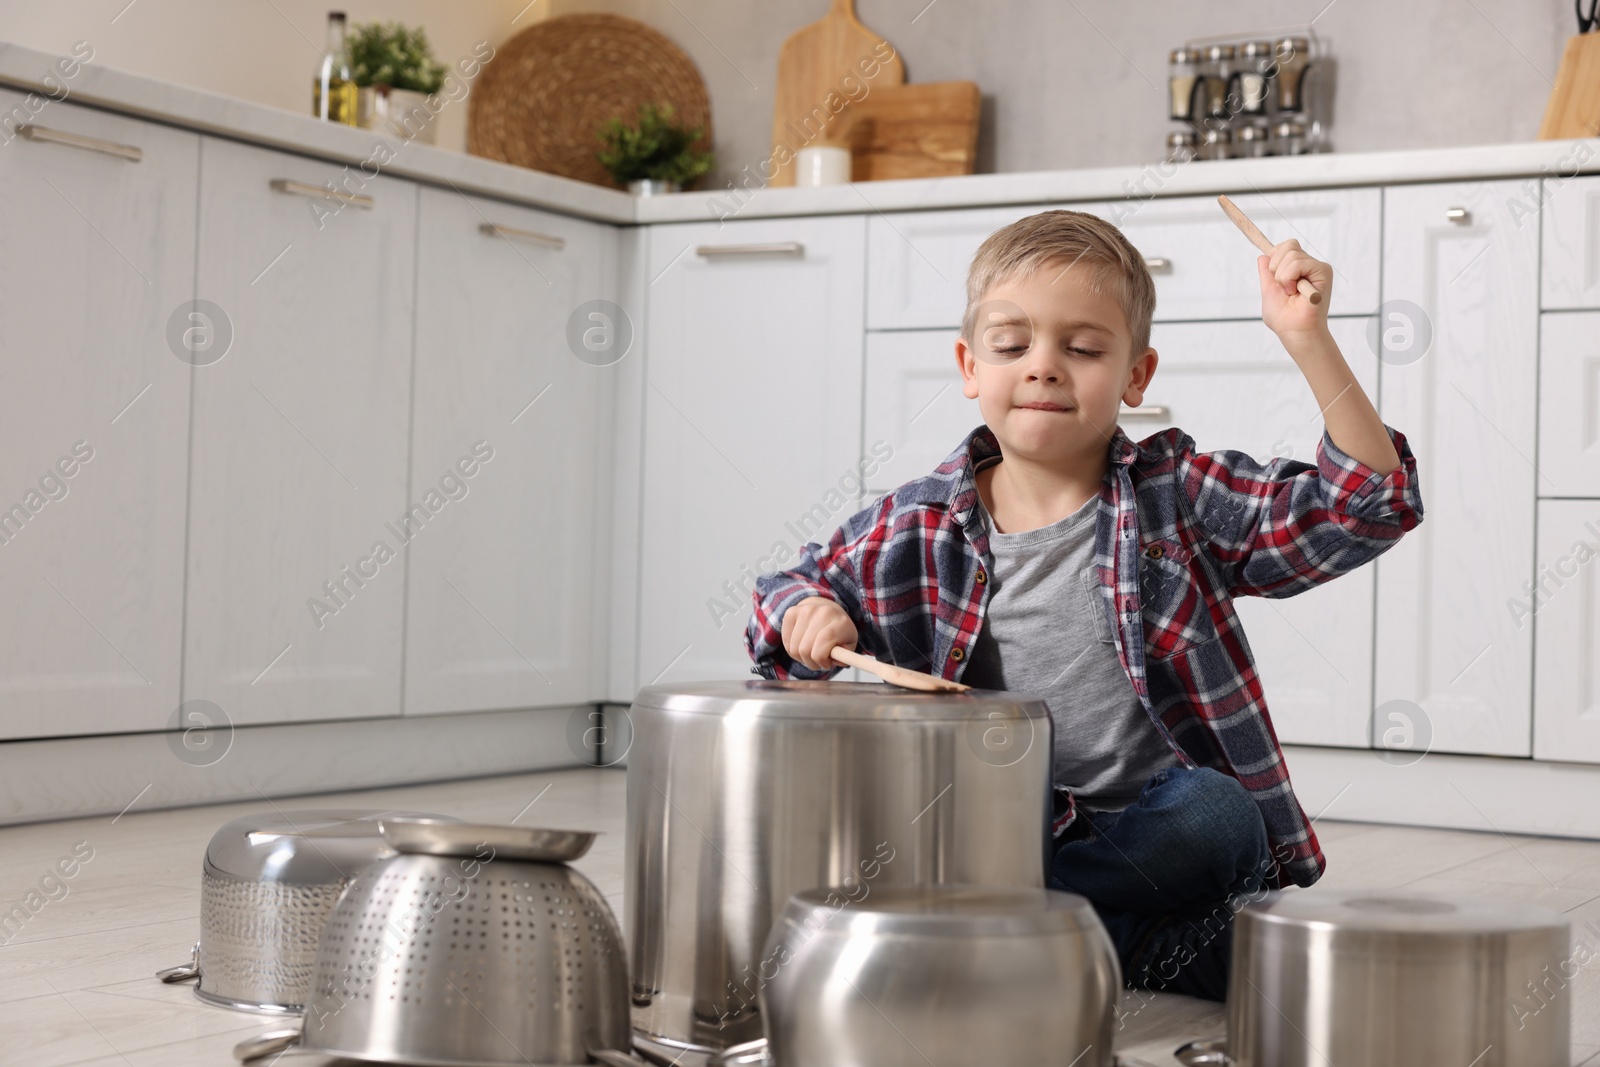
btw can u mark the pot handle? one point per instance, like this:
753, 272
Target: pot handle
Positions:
750, 1054
1204, 1053
183, 972
266, 1044
613, 1058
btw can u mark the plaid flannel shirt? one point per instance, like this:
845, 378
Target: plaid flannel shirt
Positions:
1178, 535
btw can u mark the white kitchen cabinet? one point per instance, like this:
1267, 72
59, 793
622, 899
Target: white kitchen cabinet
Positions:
1446, 643
94, 421
298, 497
500, 611
1563, 611
1571, 220
1569, 404
915, 410
752, 424
1202, 266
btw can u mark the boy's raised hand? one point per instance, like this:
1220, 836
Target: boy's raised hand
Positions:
812, 627
1285, 311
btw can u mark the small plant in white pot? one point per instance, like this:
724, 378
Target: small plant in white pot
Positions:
396, 73
656, 156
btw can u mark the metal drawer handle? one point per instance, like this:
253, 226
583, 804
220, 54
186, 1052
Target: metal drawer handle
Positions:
1458, 215
1155, 411
132, 153
780, 248
1158, 265
320, 192
494, 229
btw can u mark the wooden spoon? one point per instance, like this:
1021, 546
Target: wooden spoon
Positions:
901, 676
1259, 239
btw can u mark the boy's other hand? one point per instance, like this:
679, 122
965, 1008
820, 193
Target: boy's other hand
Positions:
1285, 311
812, 627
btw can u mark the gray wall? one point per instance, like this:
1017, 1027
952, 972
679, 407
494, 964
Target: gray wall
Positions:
1082, 83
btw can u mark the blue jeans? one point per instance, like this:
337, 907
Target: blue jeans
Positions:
1162, 871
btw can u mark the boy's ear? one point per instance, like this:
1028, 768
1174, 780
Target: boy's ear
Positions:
1139, 375
965, 360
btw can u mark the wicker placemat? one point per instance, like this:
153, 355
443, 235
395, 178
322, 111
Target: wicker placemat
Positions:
541, 101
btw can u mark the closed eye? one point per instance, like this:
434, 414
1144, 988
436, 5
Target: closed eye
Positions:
1086, 352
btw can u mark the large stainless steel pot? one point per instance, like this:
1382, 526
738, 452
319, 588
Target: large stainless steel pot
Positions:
1388, 978
267, 884
742, 793
941, 974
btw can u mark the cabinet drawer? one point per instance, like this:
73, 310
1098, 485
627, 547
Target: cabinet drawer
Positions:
1569, 404
1208, 267
1203, 267
1566, 632
1571, 243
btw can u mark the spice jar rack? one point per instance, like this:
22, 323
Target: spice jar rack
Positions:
1240, 99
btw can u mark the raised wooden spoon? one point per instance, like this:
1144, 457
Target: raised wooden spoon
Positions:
900, 676
1259, 239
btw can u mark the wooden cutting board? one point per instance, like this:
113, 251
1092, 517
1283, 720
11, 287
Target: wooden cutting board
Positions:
928, 130
815, 62
1574, 107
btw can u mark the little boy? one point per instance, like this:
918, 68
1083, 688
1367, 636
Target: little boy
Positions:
1049, 554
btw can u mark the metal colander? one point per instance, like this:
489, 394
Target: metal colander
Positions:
465, 960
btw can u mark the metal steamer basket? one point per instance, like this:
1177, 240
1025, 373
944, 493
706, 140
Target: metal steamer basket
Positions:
479, 948
267, 884
742, 793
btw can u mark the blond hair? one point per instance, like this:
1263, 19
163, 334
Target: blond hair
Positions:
1114, 265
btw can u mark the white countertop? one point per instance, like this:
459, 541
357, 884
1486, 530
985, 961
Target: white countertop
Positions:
207, 112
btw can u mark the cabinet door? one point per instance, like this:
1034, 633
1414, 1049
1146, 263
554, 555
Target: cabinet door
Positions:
500, 607
752, 424
1564, 614
1446, 642
94, 422
1569, 404
298, 501
915, 409
1571, 219
1232, 386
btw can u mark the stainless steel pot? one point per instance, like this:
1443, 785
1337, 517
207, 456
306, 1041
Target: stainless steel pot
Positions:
1388, 978
455, 956
946, 974
267, 884
742, 793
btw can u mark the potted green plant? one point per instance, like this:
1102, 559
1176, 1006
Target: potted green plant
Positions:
396, 73
654, 156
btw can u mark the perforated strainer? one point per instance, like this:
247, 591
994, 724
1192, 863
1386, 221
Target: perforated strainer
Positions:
465, 959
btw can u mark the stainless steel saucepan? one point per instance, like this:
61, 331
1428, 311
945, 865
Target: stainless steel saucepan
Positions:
1390, 978
947, 974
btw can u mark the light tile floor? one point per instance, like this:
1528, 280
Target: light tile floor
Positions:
77, 982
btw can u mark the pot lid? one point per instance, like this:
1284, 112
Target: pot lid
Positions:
317, 846
795, 698
943, 911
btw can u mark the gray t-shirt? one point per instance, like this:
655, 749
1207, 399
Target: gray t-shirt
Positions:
1046, 632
